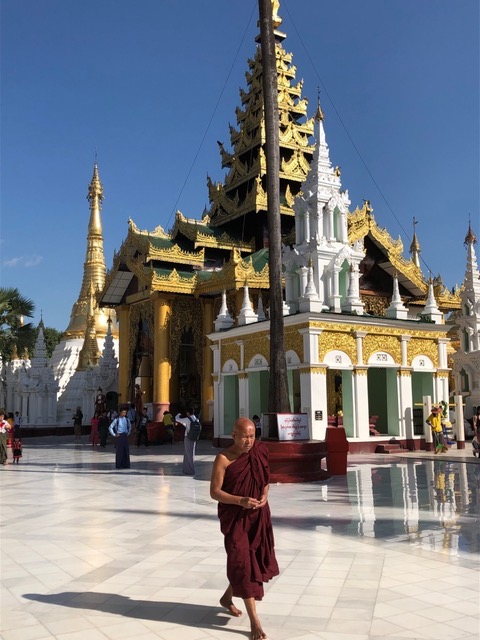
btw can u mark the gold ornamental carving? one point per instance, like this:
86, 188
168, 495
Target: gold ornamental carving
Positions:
294, 342
257, 344
360, 371
375, 305
387, 343
230, 350
314, 370
187, 313
422, 347
404, 373
337, 340
137, 312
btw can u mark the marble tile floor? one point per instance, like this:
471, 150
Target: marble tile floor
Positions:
92, 553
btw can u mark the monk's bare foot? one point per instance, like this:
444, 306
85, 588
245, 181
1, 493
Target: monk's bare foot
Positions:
257, 633
230, 607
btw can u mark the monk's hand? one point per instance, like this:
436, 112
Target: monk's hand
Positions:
249, 503
262, 502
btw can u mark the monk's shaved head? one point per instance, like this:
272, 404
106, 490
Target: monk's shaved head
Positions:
242, 423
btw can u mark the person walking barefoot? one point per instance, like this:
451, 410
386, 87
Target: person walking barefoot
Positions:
240, 484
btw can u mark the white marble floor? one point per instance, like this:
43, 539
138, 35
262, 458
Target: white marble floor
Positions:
91, 553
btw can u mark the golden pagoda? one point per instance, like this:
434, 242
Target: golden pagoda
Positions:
168, 287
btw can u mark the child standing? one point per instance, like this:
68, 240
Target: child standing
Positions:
17, 449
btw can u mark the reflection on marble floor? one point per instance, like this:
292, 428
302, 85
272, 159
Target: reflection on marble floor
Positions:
91, 553
433, 505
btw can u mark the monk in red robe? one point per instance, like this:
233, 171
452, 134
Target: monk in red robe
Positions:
240, 478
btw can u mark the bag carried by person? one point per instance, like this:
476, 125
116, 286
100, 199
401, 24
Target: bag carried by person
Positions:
195, 430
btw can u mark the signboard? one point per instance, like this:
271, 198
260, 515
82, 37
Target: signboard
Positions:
292, 426
318, 415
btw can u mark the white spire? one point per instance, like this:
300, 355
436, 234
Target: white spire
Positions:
431, 309
260, 312
224, 319
396, 309
40, 356
310, 301
247, 315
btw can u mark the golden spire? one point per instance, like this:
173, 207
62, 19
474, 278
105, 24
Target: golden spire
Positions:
319, 114
470, 238
94, 270
89, 353
415, 246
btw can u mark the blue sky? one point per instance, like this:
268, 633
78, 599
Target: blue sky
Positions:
151, 85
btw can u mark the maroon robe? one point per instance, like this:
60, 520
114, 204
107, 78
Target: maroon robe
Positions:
248, 532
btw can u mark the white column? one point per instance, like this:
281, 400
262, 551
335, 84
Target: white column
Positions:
459, 422
359, 336
303, 275
330, 226
217, 406
289, 294
360, 403
243, 394
405, 403
427, 432
335, 304
313, 398
306, 226
404, 346
310, 345
442, 353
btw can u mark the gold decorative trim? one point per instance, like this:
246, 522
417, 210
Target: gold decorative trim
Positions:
313, 370
360, 371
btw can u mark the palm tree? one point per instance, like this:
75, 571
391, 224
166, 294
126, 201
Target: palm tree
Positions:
15, 335
278, 385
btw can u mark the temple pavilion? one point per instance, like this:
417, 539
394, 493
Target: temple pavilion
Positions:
365, 332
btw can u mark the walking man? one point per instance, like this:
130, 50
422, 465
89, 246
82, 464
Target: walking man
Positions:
240, 483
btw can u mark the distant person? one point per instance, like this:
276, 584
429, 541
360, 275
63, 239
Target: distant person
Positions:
142, 428
4, 431
240, 484
192, 434
103, 424
138, 400
77, 423
435, 423
131, 413
169, 424
120, 428
17, 449
476, 422
17, 423
94, 438
100, 402
258, 426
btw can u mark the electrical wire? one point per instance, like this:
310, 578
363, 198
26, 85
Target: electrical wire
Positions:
213, 115
348, 134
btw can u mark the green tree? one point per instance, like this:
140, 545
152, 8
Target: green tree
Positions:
52, 338
15, 334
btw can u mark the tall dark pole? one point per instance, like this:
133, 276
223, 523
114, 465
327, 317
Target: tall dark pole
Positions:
278, 401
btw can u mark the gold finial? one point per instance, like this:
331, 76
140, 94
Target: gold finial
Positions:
95, 189
415, 246
319, 114
367, 205
276, 19
470, 238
